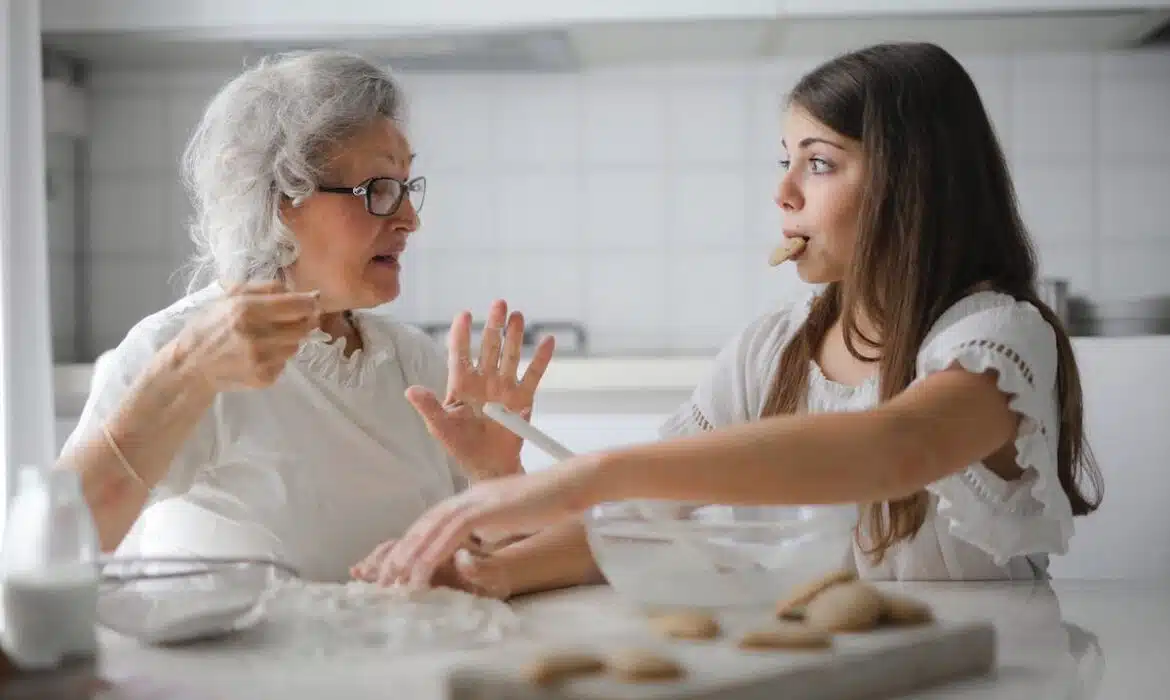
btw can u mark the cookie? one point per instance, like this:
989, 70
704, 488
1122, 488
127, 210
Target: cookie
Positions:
800, 596
551, 669
640, 665
786, 635
686, 625
900, 611
846, 607
785, 251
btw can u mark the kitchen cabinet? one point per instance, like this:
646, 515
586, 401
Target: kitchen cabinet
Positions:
306, 18
466, 35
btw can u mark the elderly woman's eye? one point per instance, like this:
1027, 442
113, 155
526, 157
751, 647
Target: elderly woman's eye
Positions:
383, 195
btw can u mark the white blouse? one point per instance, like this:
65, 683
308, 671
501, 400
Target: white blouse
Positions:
979, 526
317, 469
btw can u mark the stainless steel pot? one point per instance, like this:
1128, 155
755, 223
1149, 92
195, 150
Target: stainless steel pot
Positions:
1053, 291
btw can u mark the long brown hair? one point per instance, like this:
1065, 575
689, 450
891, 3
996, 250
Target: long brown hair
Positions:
939, 218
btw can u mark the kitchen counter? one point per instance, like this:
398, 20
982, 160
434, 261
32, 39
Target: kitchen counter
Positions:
1073, 639
643, 371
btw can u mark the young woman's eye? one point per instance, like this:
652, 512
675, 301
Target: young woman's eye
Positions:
820, 165
785, 163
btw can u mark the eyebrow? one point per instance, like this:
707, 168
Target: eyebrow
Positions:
806, 142
395, 159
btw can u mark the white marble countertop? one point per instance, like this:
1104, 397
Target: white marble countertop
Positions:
1074, 639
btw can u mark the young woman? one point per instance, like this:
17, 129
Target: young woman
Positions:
924, 382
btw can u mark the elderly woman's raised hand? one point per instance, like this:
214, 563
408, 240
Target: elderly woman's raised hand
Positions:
245, 339
484, 448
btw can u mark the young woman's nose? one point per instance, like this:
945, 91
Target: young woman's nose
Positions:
788, 196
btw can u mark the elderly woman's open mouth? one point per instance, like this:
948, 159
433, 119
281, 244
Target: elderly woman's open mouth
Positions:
388, 259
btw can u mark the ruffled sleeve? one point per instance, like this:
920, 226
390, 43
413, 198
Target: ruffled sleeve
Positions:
740, 377
1031, 514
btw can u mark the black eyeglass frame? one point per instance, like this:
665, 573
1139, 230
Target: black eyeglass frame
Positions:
365, 191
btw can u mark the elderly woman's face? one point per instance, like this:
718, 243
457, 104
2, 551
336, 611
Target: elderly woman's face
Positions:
350, 255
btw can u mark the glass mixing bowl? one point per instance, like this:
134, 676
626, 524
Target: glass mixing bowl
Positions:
644, 550
171, 600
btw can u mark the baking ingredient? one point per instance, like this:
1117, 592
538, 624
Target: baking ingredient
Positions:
48, 576
315, 620
49, 615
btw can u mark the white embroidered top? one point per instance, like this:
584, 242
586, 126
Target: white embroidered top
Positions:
979, 525
318, 468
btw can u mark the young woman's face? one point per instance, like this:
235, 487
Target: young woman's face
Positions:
820, 195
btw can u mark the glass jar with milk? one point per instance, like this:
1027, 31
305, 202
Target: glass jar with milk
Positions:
49, 571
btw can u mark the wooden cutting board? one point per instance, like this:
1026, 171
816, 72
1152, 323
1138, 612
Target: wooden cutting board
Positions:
879, 664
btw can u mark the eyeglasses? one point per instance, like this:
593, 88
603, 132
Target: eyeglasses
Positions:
384, 195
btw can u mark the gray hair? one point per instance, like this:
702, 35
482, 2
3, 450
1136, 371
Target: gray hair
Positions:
264, 136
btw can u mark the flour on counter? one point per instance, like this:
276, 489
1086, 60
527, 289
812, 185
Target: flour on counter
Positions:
325, 619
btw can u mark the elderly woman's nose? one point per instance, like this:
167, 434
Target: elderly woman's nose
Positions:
408, 219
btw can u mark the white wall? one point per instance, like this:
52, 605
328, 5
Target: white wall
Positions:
638, 200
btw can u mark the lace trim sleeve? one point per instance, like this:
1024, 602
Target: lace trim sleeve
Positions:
1030, 514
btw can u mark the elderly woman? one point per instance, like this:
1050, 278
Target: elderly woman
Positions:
269, 412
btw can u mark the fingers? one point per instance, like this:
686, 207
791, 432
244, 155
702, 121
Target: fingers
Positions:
459, 348
440, 547
493, 331
540, 359
366, 568
482, 575
248, 288
287, 306
513, 344
428, 406
419, 537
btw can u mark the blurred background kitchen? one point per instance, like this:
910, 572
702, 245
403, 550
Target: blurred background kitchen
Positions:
608, 169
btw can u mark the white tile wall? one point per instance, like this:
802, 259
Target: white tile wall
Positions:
639, 200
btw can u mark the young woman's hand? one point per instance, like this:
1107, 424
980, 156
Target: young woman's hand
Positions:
484, 448
514, 503
471, 569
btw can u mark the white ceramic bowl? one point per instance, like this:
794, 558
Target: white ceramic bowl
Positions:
636, 548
